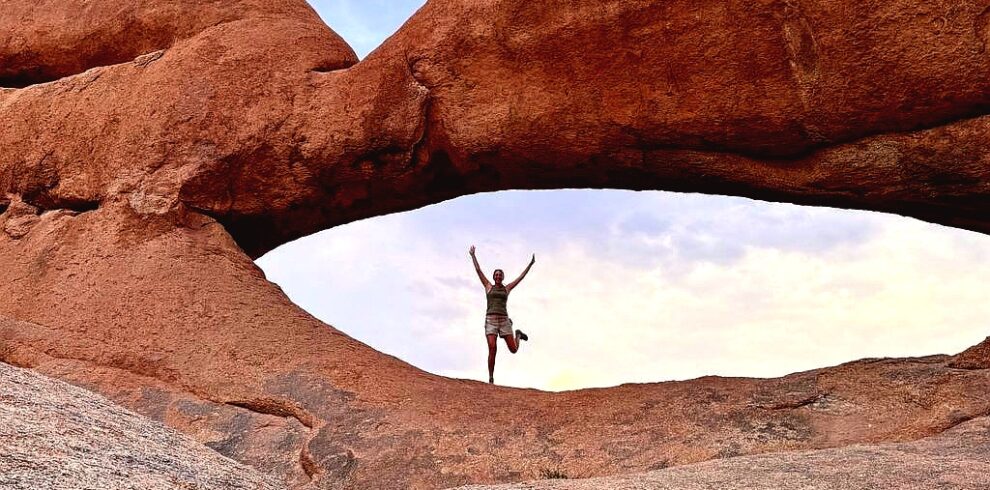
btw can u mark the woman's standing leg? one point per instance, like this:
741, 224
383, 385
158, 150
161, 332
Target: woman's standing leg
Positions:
492, 348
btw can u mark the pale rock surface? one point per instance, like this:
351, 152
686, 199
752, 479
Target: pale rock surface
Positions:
958, 459
55, 436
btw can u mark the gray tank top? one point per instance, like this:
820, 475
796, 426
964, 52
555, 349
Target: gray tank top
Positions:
497, 297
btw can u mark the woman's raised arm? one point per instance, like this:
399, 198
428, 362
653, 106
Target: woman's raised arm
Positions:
477, 268
521, 276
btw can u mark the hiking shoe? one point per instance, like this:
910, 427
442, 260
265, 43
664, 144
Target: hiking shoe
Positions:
521, 336
491, 381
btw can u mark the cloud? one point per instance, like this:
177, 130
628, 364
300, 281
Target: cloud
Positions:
646, 228
641, 287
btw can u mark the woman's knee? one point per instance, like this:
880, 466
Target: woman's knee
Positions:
513, 347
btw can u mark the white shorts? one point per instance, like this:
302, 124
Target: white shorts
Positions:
500, 325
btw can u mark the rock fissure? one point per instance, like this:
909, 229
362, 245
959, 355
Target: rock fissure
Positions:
811, 150
309, 466
93, 73
76, 206
794, 404
418, 154
276, 407
808, 151
285, 408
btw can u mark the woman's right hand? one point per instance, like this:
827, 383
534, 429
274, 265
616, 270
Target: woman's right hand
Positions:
471, 251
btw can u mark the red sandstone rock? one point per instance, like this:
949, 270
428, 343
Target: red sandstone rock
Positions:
256, 116
138, 193
46, 40
976, 357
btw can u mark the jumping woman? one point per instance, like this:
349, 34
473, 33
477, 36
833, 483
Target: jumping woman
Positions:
497, 322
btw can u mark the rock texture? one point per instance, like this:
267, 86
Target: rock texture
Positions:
137, 191
56, 436
958, 459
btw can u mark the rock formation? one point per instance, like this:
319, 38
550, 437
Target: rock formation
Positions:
56, 436
150, 150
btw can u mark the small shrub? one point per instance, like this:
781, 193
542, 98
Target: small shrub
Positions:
552, 474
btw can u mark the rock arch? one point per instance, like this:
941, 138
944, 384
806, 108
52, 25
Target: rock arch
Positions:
138, 192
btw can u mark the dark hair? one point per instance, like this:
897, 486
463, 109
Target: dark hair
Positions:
499, 270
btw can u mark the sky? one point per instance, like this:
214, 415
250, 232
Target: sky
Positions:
364, 24
635, 286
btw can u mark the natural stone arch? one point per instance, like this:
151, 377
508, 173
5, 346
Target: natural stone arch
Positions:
282, 134
138, 192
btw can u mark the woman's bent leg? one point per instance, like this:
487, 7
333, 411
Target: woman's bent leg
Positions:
512, 342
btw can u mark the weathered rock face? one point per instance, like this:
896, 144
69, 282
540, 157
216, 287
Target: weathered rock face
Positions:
137, 193
53, 435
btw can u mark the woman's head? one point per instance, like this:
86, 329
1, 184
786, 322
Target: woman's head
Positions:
498, 276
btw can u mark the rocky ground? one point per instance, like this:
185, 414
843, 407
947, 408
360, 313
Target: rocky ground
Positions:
56, 436
958, 459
